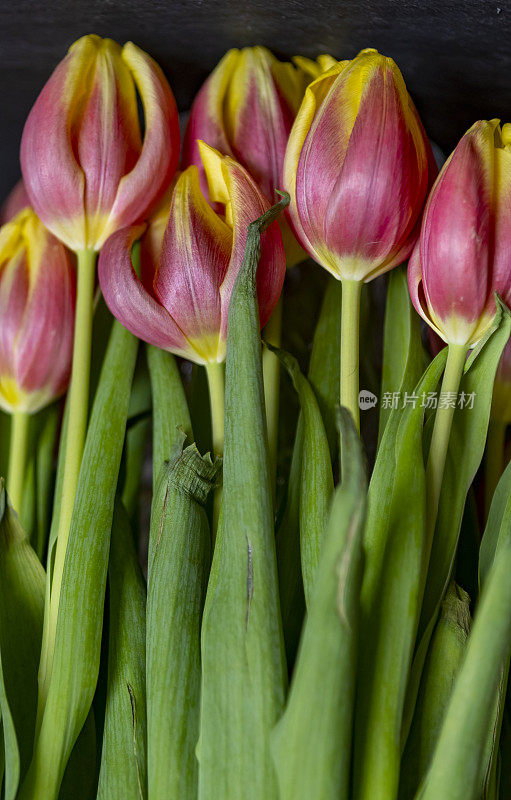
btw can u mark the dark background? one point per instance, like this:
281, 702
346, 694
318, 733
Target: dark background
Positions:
455, 56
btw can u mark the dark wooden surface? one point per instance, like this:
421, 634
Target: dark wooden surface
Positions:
455, 56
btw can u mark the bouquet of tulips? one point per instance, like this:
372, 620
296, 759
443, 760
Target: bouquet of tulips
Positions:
308, 597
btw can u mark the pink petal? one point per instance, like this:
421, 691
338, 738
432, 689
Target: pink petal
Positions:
193, 262
248, 203
53, 179
141, 189
129, 301
455, 237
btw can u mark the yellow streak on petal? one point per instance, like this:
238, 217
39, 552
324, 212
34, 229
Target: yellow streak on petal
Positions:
217, 177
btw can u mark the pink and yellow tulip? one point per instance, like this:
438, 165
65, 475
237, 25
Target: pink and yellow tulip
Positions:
37, 302
87, 168
358, 167
181, 300
246, 109
463, 255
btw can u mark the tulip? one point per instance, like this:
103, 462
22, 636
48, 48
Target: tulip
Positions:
88, 172
181, 300
463, 253
357, 167
87, 168
37, 301
246, 109
461, 259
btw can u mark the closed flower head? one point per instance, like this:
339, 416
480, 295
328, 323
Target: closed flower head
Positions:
87, 167
37, 301
463, 255
358, 166
181, 300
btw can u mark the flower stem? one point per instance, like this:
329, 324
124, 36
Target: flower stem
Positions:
350, 321
17, 458
494, 459
271, 377
75, 440
216, 384
456, 356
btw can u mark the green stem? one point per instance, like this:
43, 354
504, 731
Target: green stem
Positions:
271, 377
77, 426
216, 384
17, 458
456, 356
350, 321
494, 459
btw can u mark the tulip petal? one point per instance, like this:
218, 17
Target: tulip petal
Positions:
417, 289
130, 302
248, 204
295, 161
206, 120
57, 192
502, 222
105, 135
457, 295
381, 186
17, 200
193, 262
141, 189
258, 118
45, 345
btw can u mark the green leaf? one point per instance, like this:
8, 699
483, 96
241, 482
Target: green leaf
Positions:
454, 773
498, 526
179, 556
466, 447
243, 670
136, 439
390, 600
312, 740
317, 483
170, 409
324, 367
497, 533
403, 354
80, 620
324, 376
123, 770
21, 622
45, 474
5, 428
445, 656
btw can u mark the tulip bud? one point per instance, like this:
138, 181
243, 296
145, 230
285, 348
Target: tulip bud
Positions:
181, 301
358, 166
463, 254
37, 301
246, 109
87, 168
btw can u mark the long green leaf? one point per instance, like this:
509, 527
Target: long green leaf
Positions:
445, 656
136, 438
390, 602
170, 409
45, 474
324, 367
466, 447
324, 371
80, 620
403, 354
317, 483
243, 670
178, 568
312, 741
21, 622
123, 771
454, 773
